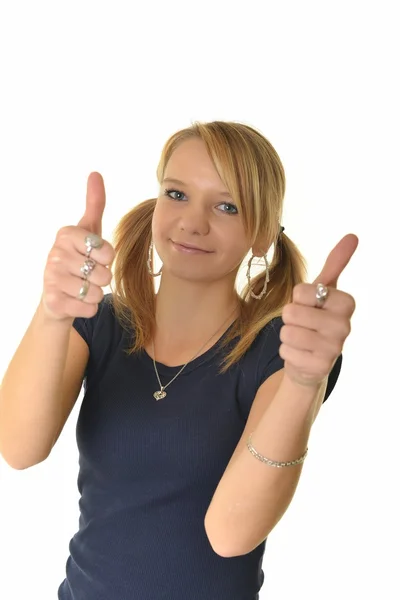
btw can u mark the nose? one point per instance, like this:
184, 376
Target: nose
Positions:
194, 219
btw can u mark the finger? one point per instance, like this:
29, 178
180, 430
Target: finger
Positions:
327, 323
300, 338
337, 260
308, 340
337, 301
95, 204
304, 361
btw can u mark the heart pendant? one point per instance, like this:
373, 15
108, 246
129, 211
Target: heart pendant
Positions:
159, 395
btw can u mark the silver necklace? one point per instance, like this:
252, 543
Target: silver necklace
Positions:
161, 393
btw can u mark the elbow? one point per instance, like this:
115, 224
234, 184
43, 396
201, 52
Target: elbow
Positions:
216, 547
228, 552
226, 548
223, 552
20, 465
221, 546
17, 466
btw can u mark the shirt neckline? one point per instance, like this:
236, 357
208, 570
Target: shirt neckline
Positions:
191, 366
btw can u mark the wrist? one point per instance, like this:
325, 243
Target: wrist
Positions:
305, 389
306, 384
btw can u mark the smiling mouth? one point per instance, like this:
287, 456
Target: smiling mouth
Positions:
190, 249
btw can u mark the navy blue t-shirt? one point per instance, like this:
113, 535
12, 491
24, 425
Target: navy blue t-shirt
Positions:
148, 469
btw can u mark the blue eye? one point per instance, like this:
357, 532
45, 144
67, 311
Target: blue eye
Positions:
168, 192
231, 206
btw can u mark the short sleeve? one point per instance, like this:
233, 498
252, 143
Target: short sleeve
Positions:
271, 360
87, 328
84, 327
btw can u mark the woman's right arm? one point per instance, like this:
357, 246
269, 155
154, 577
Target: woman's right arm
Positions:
45, 375
39, 389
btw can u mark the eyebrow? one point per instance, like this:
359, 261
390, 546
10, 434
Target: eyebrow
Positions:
178, 181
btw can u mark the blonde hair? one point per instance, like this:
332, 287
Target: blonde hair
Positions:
251, 169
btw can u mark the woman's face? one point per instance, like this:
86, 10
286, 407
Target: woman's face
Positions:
197, 211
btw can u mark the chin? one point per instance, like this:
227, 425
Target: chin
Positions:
187, 274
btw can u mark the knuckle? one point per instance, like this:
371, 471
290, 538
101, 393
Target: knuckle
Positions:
64, 231
288, 312
282, 353
352, 304
344, 328
285, 333
298, 291
56, 255
349, 303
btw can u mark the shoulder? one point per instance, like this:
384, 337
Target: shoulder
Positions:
271, 330
268, 339
266, 350
262, 358
91, 327
266, 357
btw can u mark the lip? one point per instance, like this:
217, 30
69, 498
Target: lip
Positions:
189, 248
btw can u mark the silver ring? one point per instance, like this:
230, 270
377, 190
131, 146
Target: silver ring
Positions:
88, 266
321, 294
93, 241
84, 290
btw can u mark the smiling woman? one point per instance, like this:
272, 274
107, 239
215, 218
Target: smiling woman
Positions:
175, 501
228, 200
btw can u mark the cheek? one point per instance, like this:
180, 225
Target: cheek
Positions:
235, 239
158, 222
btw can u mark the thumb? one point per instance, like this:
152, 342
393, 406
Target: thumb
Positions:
337, 260
95, 204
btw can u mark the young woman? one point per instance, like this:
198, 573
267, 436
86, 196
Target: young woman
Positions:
200, 398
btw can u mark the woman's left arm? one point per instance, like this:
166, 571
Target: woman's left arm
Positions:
251, 496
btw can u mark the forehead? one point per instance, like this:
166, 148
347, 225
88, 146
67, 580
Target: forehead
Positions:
188, 148
191, 163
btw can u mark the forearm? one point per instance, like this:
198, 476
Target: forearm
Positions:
252, 496
30, 403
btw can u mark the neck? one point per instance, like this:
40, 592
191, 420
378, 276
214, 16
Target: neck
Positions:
195, 308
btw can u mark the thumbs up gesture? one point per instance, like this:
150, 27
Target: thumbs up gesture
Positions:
314, 333
63, 275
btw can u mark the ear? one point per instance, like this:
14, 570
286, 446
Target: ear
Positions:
257, 251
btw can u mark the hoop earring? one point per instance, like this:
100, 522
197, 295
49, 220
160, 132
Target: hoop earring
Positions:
264, 290
149, 261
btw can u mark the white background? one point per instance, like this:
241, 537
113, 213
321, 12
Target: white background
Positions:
100, 86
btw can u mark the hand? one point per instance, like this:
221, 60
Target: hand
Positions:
312, 337
62, 277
